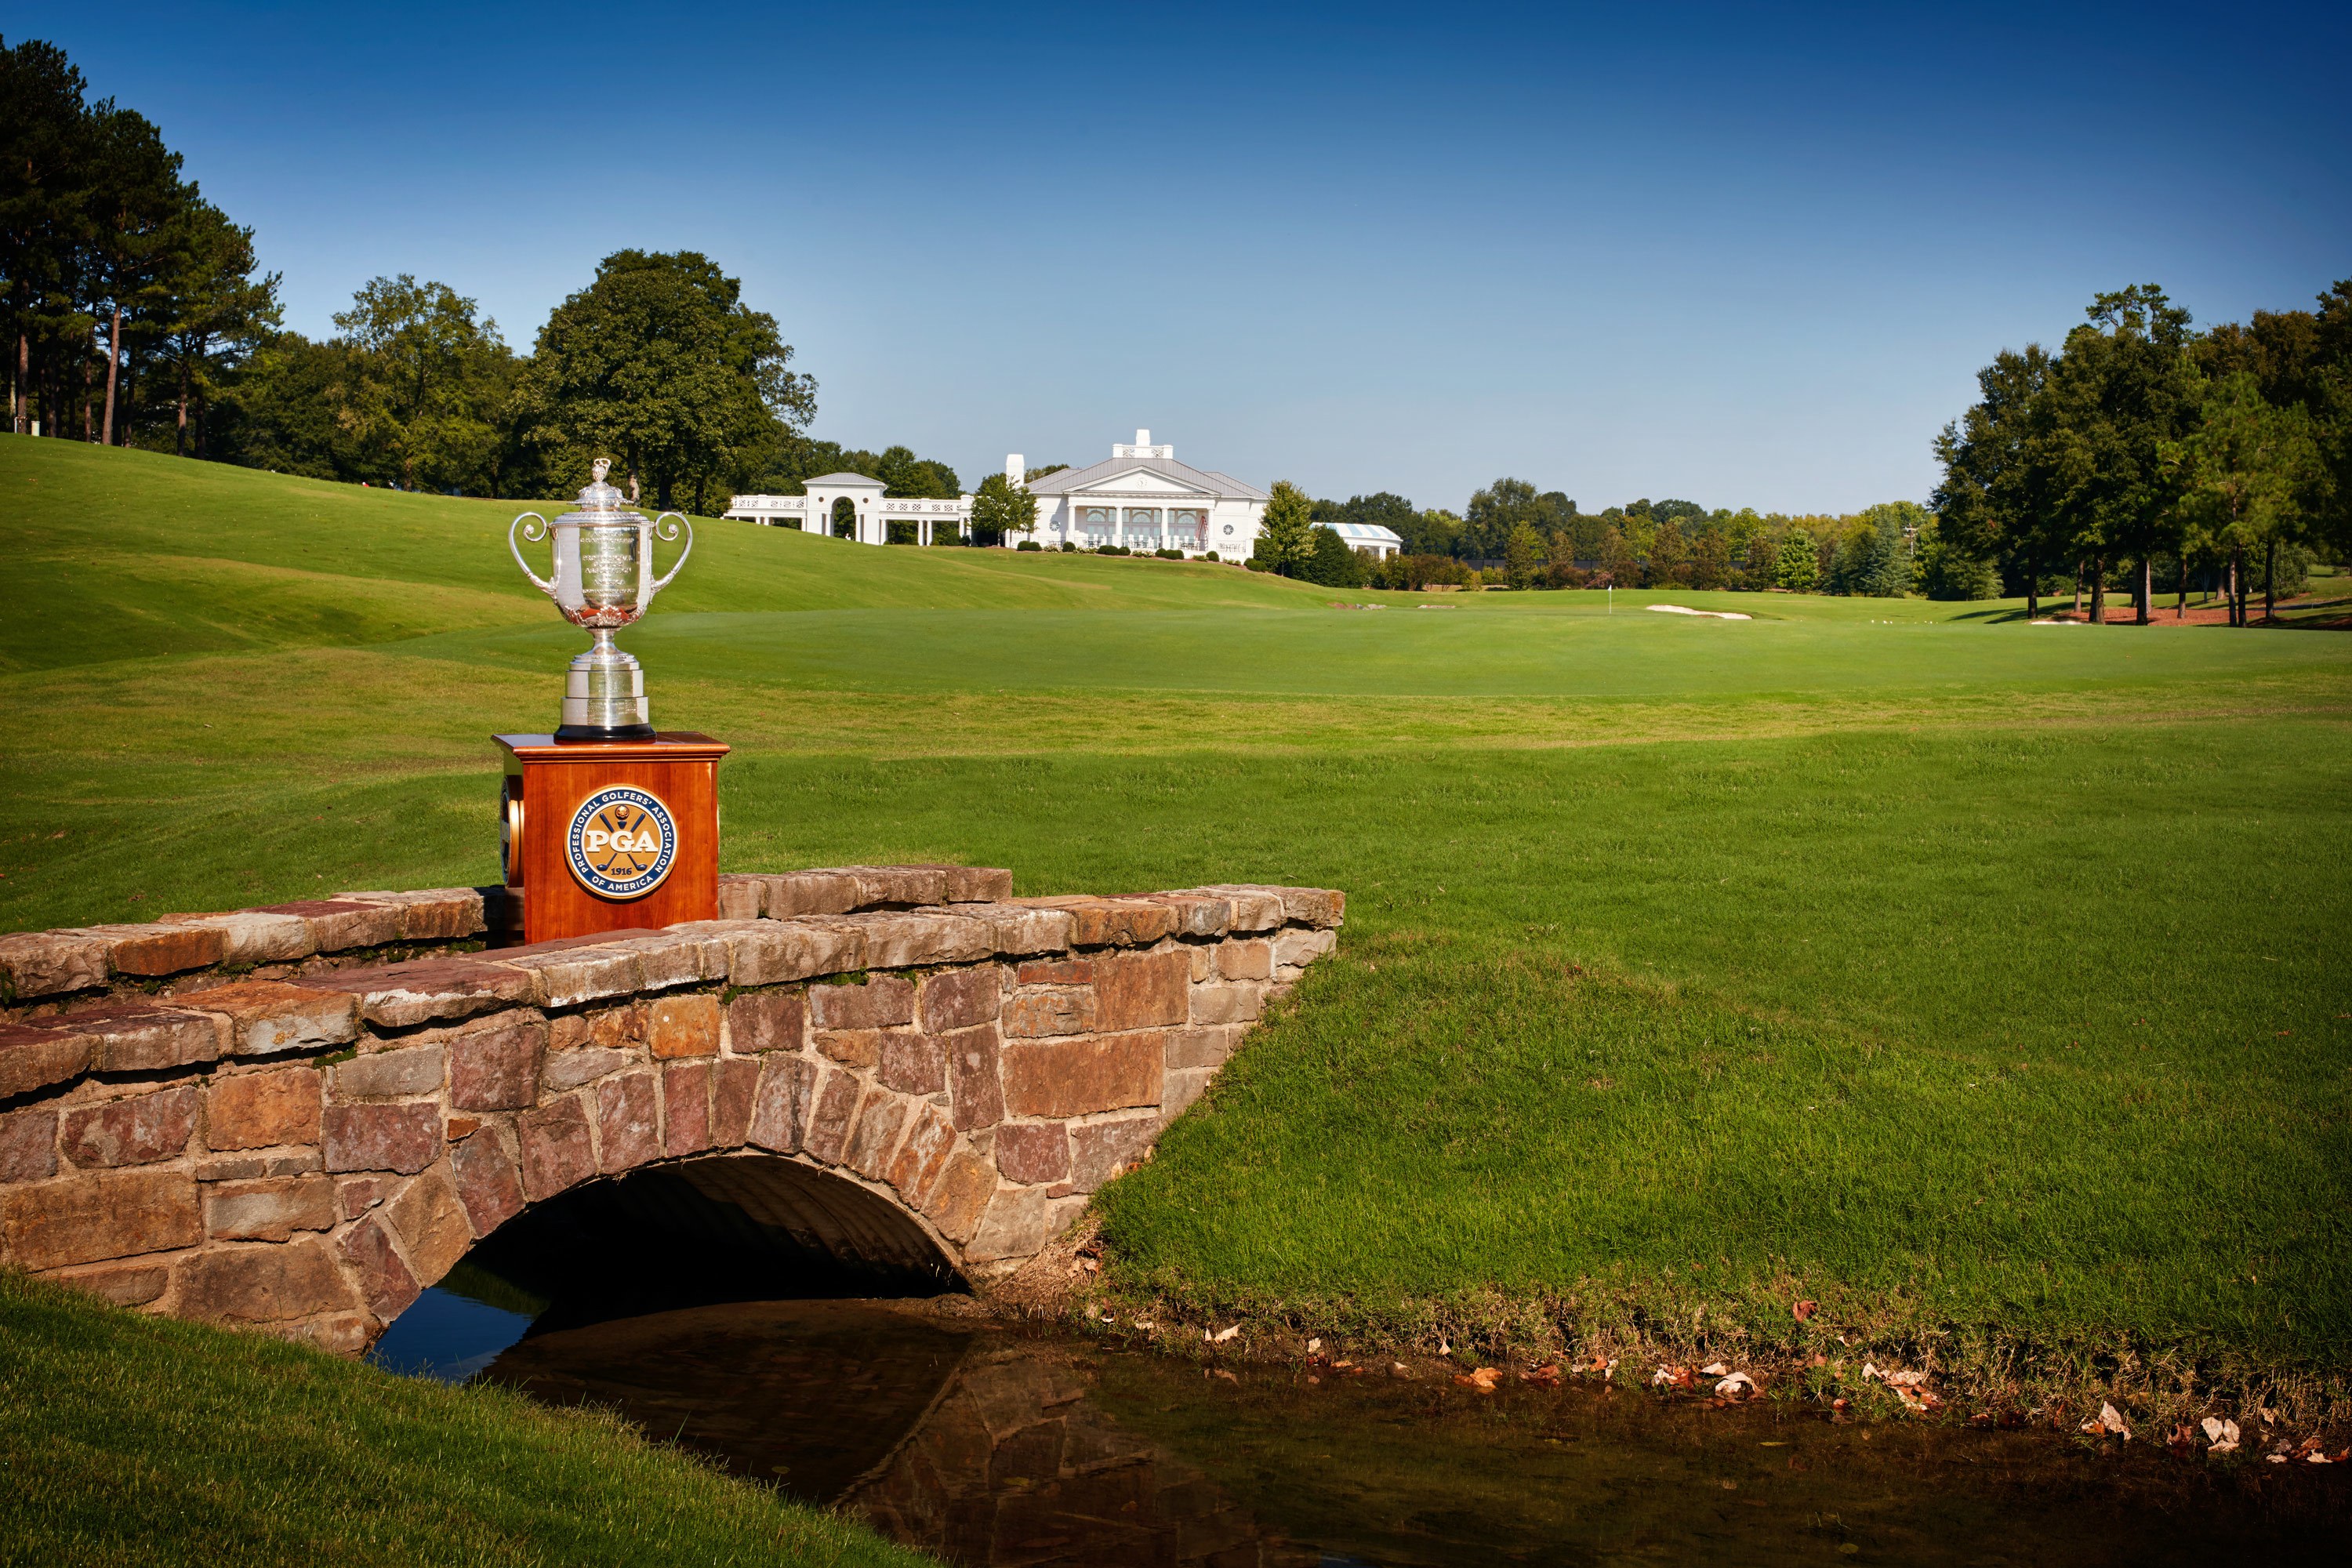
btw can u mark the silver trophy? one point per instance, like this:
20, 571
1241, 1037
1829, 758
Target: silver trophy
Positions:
603, 580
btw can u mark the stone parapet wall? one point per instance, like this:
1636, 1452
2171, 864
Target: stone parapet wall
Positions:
243, 1128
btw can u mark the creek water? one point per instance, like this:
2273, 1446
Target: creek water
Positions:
991, 1445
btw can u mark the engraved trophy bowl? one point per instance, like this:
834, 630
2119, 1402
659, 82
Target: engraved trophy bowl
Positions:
603, 579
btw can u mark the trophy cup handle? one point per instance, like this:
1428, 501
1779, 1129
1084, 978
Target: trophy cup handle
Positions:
537, 531
663, 582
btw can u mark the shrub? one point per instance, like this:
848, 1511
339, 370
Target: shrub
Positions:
1212, 555
1028, 544
1169, 554
1110, 550
1069, 547
1254, 564
1330, 561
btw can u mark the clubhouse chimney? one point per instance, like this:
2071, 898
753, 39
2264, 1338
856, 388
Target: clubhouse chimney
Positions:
1014, 470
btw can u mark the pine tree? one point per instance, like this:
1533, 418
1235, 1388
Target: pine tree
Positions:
1286, 539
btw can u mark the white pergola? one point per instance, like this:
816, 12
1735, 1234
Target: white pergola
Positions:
874, 511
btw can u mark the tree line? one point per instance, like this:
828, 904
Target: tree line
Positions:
137, 315
2147, 451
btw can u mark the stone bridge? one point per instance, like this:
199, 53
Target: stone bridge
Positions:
296, 1118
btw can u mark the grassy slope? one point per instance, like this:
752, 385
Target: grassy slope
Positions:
216, 1447
1873, 896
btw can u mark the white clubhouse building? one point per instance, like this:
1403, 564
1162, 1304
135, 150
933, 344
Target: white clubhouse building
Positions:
1142, 497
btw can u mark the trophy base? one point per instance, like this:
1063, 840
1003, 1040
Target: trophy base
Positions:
586, 734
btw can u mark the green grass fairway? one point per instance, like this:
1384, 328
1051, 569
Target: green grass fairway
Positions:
1973, 978
136, 1440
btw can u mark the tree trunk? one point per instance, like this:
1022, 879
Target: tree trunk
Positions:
113, 369
2099, 591
180, 431
2230, 589
2078, 587
2270, 581
2180, 610
2032, 589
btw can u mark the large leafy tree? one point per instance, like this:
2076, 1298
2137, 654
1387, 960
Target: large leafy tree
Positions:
217, 311
431, 384
1286, 539
135, 198
1504, 505
2246, 471
999, 508
44, 175
660, 363
2005, 467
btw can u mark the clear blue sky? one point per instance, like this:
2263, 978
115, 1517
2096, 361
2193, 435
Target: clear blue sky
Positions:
1741, 255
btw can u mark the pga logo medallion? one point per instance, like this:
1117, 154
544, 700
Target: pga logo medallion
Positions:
621, 842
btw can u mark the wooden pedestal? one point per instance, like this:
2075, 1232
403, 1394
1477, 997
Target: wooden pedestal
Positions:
546, 786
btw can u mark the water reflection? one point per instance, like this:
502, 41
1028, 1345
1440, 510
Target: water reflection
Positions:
987, 1447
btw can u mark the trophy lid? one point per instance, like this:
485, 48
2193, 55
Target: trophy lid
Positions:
601, 501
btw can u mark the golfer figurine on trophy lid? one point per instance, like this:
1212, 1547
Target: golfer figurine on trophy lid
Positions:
606, 825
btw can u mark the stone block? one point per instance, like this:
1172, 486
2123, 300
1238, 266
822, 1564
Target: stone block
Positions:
898, 884
628, 1123
1014, 1226
882, 1001
1256, 907
1101, 1149
959, 998
759, 1021
571, 976
1250, 959
1228, 1001
565, 1070
339, 925
881, 1118
915, 938
403, 1138
825, 1132
262, 1109
741, 898
974, 1081
975, 884
771, 952
52, 962
1033, 1152
1200, 1046
733, 1100
385, 1281
141, 1036
859, 1048
1180, 1088
812, 893
1078, 1077
497, 1068
1038, 1014
33, 1058
426, 990
263, 1283
685, 1108
487, 1183
1110, 922
912, 1063
959, 1197
433, 914
138, 1130
402, 1074
271, 1209
28, 1145
431, 1224
266, 1016
677, 1026
147, 951
125, 1284
1196, 915
92, 1218
922, 1153
557, 1149
1138, 990
677, 957
1295, 948
1018, 929
355, 1196
255, 936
